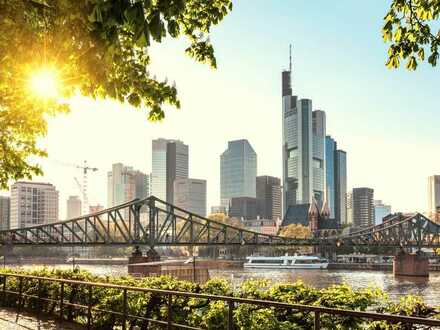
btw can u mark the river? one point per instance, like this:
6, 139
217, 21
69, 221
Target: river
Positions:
428, 288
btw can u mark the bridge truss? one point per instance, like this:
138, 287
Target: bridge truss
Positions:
153, 222
150, 221
400, 230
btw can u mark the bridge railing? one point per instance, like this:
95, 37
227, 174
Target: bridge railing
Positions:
87, 310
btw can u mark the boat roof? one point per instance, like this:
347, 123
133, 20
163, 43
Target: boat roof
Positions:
284, 257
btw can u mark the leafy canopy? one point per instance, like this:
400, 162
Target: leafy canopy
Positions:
411, 27
96, 47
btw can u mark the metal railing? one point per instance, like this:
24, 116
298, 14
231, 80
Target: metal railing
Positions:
168, 323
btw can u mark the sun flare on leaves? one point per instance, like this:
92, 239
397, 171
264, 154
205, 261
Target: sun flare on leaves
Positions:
45, 83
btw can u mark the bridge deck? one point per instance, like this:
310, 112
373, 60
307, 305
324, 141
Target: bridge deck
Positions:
28, 321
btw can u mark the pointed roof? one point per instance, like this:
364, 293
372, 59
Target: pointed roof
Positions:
313, 209
325, 211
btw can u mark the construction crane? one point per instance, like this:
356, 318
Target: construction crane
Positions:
85, 169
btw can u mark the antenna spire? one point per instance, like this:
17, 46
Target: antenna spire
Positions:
290, 58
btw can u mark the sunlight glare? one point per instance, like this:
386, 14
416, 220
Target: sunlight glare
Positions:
44, 83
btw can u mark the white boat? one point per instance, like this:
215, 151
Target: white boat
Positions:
286, 262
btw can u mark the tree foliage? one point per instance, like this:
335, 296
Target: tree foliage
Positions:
98, 48
296, 231
411, 27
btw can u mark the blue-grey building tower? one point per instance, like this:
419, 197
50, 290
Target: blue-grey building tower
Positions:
238, 171
336, 180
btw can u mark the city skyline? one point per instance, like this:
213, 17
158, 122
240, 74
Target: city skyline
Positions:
361, 114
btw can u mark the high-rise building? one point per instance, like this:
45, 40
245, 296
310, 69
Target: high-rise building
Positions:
380, 211
5, 203
341, 187
360, 207
124, 184
433, 195
170, 160
243, 208
238, 171
269, 197
336, 180
73, 207
303, 148
33, 203
190, 195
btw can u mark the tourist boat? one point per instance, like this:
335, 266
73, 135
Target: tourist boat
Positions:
286, 262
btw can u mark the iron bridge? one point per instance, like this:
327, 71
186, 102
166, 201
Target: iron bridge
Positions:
153, 222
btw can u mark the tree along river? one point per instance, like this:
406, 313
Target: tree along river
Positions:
428, 288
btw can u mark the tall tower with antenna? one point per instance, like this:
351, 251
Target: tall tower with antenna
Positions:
287, 77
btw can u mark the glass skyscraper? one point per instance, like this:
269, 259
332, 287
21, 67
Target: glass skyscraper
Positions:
238, 171
336, 180
303, 148
124, 184
330, 149
169, 162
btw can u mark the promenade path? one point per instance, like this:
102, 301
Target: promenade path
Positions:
28, 321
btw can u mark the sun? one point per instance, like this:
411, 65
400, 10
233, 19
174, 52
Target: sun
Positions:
44, 83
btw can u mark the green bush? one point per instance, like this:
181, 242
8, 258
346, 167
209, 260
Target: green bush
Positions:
204, 313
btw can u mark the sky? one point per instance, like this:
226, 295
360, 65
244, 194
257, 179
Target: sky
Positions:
386, 120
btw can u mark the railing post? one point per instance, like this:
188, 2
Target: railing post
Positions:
39, 305
230, 315
4, 290
89, 309
62, 302
317, 322
170, 310
125, 305
20, 291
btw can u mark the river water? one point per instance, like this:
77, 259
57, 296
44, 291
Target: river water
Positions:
428, 288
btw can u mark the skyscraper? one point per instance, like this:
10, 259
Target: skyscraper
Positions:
33, 203
380, 211
238, 171
303, 148
73, 207
341, 187
124, 184
169, 162
360, 207
5, 203
269, 197
433, 195
190, 195
336, 180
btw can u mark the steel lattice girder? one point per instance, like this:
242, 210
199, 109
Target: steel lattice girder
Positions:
142, 222
154, 222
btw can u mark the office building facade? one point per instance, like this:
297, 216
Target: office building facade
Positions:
170, 161
5, 205
381, 210
125, 184
303, 148
433, 195
33, 203
360, 207
244, 208
190, 195
73, 207
238, 171
268, 193
336, 180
